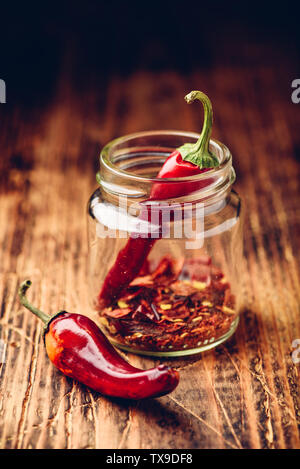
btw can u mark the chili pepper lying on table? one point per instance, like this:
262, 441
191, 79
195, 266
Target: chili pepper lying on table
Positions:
79, 349
186, 161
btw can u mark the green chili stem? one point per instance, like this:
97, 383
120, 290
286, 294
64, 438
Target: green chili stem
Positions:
208, 118
199, 153
22, 295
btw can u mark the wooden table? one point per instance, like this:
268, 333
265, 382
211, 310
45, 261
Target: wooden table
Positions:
245, 393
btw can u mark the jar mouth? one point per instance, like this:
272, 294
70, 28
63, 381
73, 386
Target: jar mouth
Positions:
129, 165
108, 155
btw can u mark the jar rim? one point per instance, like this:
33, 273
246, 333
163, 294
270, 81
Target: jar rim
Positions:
218, 171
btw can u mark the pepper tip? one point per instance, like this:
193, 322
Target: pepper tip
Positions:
25, 285
190, 97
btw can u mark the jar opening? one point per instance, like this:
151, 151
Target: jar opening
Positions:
129, 164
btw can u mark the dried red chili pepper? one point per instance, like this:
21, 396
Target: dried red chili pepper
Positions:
79, 349
189, 159
186, 161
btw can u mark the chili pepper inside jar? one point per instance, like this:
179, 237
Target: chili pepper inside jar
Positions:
165, 241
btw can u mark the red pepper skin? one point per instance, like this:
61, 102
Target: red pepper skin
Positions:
78, 348
126, 267
176, 167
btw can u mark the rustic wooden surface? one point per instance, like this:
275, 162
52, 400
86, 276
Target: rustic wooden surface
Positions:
244, 394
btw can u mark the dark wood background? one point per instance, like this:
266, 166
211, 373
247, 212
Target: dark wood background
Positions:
80, 74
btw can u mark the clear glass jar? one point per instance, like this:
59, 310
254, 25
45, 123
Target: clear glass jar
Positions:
164, 275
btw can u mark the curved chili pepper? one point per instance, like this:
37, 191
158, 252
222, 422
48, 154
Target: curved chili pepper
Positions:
189, 159
186, 161
78, 348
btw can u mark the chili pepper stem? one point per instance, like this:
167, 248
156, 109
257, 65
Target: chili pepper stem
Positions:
198, 153
23, 299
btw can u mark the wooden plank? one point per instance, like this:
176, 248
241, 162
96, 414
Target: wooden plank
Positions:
244, 394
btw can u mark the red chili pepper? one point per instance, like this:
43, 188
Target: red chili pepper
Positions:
186, 161
79, 349
176, 167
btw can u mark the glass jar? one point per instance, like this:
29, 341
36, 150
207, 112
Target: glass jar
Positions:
164, 274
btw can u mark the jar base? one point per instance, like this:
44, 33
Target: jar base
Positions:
181, 353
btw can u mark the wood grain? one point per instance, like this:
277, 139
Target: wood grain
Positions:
244, 394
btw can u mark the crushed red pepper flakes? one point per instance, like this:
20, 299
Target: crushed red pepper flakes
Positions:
155, 312
179, 305
117, 313
183, 289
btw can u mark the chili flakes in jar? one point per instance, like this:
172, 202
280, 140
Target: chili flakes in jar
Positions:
179, 305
